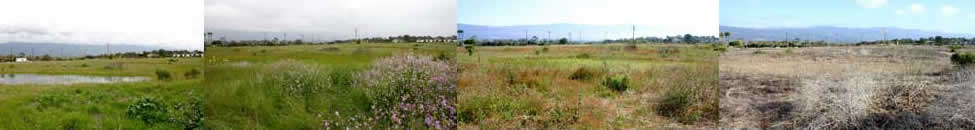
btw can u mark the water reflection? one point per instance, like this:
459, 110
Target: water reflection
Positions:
14, 79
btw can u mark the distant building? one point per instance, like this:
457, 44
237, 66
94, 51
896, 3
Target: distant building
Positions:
21, 60
398, 40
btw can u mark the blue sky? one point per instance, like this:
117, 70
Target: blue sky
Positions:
956, 16
672, 16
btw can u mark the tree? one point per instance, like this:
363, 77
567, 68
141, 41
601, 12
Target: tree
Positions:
725, 35
563, 41
688, 38
471, 41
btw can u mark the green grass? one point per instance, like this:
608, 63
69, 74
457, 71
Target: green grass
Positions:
244, 88
95, 106
520, 86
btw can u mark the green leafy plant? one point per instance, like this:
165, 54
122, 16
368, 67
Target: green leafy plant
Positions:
618, 83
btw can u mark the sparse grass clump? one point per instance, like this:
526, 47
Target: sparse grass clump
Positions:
192, 73
582, 74
758, 52
163, 75
630, 47
326, 49
618, 83
675, 104
583, 56
114, 66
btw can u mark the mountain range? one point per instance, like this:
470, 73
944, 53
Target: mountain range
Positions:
832, 34
63, 49
575, 32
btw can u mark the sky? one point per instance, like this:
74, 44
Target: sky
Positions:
329, 19
953, 16
168, 24
698, 17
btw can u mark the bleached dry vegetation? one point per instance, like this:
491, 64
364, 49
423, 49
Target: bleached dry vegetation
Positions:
844, 87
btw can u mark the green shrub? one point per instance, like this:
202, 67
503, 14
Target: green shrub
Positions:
736, 43
545, 49
954, 48
963, 58
676, 102
84, 65
582, 73
192, 73
719, 47
189, 114
788, 51
617, 83
149, 110
163, 75
51, 100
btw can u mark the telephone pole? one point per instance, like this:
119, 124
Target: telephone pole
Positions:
633, 34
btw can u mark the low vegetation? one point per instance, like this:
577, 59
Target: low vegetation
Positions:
585, 86
357, 86
153, 104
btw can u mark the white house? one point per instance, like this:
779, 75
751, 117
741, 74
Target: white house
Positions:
20, 60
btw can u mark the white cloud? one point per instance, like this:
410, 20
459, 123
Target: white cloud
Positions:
871, 3
917, 8
900, 12
175, 24
947, 10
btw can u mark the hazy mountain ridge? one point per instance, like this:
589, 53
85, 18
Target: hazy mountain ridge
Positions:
831, 33
587, 32
62, 49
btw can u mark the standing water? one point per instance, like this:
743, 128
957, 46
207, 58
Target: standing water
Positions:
16, 79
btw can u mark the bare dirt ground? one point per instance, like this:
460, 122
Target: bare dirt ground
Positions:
845, 87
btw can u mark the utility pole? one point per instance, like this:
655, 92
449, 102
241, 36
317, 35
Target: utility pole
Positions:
550, 35
633, 34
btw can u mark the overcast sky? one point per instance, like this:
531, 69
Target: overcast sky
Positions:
170, 24
329, 19
697, 17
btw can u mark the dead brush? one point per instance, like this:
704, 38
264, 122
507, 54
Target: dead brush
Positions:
911, 97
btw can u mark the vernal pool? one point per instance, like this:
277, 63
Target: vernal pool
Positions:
18, 79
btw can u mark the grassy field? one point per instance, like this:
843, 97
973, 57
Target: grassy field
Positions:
104, 106
317, 86
587, 86
845, 87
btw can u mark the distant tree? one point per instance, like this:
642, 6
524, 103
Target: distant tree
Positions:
939, 40
563, 41
725, 35
688, 38
471, 41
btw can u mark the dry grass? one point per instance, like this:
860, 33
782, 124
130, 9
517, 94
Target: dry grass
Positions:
841, 88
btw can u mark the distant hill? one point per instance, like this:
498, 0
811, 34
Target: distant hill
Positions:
587, 32
55, 49
832, 34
